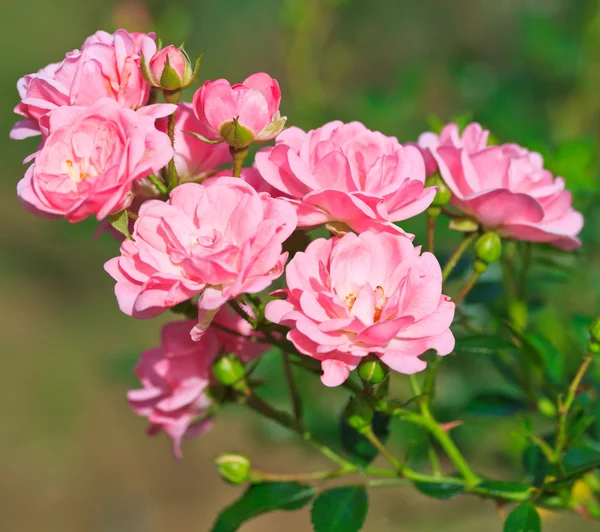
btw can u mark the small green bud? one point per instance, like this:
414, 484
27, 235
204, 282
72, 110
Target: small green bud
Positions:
371, 370
479, 266
595, 330
358, 414
488, 247
229, 370
594, 347
433, 212
444, 194
233, 468
546, 407
236, 135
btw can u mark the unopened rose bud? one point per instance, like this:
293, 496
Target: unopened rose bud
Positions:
488, 247
169, 69
371, 370
229, 370
444, 194
359, 415
233, 468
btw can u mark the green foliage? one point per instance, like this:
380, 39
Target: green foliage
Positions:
357, 446
120, 221
495, 404
340, 509
580, 460
262, 498
482, 344
524, 518
439, 490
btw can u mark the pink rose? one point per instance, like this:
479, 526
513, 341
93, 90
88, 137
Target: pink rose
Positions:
139, 39
194, 159
506, 188
253, 103
372, 293
219, 239
91, 158
252, 176
176, 376
473, 139
101, 69
346, 175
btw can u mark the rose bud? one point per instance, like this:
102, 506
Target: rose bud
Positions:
233, 468
169, 69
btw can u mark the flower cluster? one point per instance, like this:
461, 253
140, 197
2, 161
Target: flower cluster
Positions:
203, 232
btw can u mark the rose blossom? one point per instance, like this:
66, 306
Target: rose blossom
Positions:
473, 139
345, 174
220, 239
193, 158
91, 158
372, 293
506, 188
176, 376
252, 176
254, 103
105, 67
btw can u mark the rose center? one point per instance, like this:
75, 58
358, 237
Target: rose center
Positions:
380, 301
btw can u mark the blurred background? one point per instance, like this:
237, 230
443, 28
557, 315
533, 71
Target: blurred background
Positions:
73, 457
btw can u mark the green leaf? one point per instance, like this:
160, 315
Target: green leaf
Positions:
524, 518
360, 449
260, 499
495, 404
580, 460
439, 490
170, 78
203, 138
578, 425
536, 464
482, 344
120, 221
498, 488
340, 510
553, 361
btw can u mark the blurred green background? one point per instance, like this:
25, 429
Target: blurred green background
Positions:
73, 457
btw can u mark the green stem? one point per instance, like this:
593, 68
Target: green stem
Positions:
383, 450
238, 156
172, 177
458, 253
431, 233
261, 476
467, 288
388, 482
295, 396
563, 412
446, 443
157, 182
287, 421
